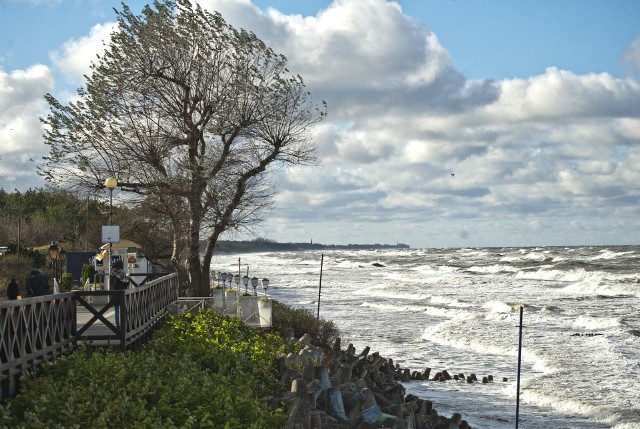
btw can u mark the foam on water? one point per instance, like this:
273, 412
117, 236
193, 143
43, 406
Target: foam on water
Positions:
596, 323
458, 309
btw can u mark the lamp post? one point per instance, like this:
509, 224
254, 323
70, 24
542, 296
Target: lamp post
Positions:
57, 255
254, 283
223, 278
53, 255
265, 285
245, 282
111, 183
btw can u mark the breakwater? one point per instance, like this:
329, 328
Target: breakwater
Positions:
342, 389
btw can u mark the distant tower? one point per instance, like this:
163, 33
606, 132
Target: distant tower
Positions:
312, 241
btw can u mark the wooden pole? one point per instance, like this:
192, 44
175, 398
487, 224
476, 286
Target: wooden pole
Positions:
519, 360
320, 286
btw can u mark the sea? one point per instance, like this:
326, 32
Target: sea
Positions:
459, 310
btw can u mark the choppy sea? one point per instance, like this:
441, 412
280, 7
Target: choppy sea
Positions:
459, 310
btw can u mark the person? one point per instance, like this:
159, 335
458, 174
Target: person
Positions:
119, 281
37, 284
13, 291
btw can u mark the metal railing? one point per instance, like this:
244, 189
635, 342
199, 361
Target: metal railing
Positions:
36, 330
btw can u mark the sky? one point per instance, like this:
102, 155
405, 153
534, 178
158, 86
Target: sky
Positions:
452, 123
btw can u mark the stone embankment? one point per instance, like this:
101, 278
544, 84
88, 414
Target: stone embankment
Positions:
339, 389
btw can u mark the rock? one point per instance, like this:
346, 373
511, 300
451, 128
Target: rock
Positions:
406, 375
356, 391
377, 418
426, 373
299, 414
335, 406
336, 344
343, 374
305, 340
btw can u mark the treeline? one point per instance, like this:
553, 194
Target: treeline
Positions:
266, 245
33, 219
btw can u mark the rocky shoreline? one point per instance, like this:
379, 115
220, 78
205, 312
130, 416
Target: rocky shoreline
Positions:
342, 389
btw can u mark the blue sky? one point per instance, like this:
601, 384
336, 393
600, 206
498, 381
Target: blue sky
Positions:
532, 104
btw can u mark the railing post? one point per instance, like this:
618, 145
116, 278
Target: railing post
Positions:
123, 320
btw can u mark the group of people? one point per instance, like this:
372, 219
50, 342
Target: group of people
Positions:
36, 285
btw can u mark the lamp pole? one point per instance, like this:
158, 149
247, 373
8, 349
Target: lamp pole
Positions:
57, 255
53, 255
111, 183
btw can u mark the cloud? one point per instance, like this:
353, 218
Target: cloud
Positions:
531, 157
75, 56
402, 119
632, 54
21, 104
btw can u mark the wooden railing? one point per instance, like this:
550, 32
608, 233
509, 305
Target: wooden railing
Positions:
35, 330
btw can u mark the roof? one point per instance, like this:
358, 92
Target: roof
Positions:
122, 244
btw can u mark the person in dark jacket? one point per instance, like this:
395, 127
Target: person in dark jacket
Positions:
119, 281
37, 284
13, 291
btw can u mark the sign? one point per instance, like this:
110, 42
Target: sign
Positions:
111, 234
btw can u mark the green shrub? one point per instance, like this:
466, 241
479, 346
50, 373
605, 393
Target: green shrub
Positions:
66, 283
303, 321
88, 272
199, 370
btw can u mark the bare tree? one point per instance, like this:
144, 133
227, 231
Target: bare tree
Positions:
191, 115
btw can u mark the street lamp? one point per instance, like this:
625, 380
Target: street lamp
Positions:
254, 283
245, 282
111, 183
265, 285
57, 255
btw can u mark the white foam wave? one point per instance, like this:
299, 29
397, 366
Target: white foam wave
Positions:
593, 285
552, 275
571, 407
596, 323
449, 313
392, 307
608, 254
391, 294
449, 301
498, 307
492, 269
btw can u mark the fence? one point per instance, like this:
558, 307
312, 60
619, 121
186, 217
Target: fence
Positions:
35, 330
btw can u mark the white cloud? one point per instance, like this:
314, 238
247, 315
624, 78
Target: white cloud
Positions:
76, 55
527, 154
21, 104
632, 54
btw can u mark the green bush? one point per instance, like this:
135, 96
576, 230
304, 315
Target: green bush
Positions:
200, 370
66, 283
88, 272
303, 321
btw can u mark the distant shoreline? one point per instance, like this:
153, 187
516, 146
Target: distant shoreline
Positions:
270, 246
